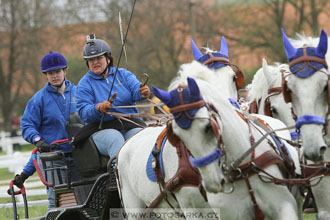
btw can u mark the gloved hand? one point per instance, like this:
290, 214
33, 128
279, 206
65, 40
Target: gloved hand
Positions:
19, 179
103, 106
145, 91
42, 146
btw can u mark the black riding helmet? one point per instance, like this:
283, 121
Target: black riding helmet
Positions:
96, 47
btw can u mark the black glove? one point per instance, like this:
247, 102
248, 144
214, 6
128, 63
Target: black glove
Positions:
19, 179
42, 146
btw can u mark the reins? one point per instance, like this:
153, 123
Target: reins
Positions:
237, 162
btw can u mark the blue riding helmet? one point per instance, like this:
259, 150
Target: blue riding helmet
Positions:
53, 61
95, 47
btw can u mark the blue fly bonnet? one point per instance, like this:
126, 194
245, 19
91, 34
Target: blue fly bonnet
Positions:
206, 58
178, 99
215, 60
306, 61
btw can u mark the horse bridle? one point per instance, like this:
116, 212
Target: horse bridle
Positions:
306, 119
214, 114
267, 104
239, 75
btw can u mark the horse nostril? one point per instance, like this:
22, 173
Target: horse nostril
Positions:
223, 182
323, 149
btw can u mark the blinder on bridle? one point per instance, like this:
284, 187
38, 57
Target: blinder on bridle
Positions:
239, 75
267, 105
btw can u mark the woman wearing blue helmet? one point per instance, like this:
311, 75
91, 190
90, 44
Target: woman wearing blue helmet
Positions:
45, 116
93, 92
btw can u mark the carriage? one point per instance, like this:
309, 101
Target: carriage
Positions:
93, 195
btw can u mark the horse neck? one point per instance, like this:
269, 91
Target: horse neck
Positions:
223, 81
235, 133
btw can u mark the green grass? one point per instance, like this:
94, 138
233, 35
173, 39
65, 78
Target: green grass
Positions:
5, 174
7, 213
309, 217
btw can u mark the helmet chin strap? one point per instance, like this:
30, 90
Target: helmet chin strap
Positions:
60, 86
105, 69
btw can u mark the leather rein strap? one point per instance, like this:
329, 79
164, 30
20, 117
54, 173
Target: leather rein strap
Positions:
186, 174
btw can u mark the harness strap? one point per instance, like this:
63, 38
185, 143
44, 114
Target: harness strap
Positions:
308, 59
253, 107
186, 107
275, 90
263, 161
310, 169
186, 174
257, 211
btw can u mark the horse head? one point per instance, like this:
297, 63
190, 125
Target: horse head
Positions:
223, 69
306, 87
273, 102
196, 124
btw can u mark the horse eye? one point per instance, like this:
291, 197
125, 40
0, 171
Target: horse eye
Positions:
208, 127
325, 88
273, 110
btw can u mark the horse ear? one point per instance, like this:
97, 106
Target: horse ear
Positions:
162, 95
196, 52
193, 87
224, 47
265, 69
290, 51
322, 47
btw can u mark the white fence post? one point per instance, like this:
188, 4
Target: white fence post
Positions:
7, 142
3, 140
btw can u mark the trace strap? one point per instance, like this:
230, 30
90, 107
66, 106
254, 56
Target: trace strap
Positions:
309, 119
203, 161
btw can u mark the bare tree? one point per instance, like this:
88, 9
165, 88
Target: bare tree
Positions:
20, 25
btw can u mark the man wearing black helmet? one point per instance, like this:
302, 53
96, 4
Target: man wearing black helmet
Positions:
93, 92
45, 116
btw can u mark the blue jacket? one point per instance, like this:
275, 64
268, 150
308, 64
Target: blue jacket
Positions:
29, 168
93, 89
46, 113
45, 116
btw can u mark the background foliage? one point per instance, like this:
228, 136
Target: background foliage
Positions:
158, 40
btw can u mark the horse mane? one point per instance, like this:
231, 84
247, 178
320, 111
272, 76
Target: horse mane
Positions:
259, 86
257, 89
195, 70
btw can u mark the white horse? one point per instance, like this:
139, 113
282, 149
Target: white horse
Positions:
225, 76
138, 191
306, 87
266, 91
275, 201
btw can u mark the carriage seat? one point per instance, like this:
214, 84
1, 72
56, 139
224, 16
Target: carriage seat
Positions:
88, 160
